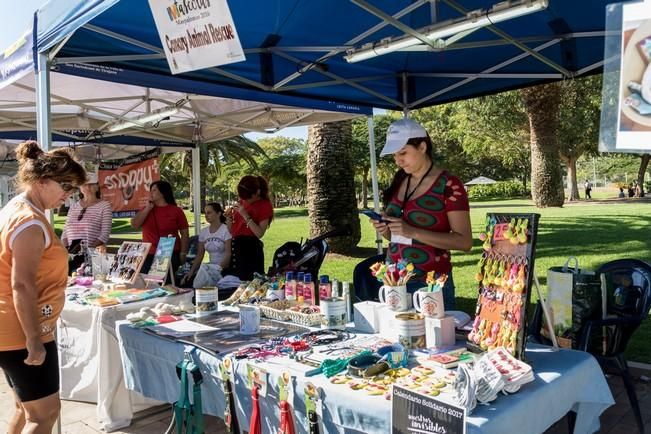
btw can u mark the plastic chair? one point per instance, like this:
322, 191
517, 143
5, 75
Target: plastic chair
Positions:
628, 304
366, 286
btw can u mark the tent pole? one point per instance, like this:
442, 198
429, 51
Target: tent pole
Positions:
196, 187
376, 194
43, 110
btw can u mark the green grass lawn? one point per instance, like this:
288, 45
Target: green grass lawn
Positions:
594, 232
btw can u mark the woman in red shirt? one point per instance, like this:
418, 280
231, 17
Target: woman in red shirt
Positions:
427, 212
163, 218
248, 221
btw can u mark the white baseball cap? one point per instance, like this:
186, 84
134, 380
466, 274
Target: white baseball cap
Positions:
399, 133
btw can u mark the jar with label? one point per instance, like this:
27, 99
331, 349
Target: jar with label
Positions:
206, 300
333, 310
410, 328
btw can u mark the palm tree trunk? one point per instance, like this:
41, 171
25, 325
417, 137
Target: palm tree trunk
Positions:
541, 103
644, 163
572, 184
331, 184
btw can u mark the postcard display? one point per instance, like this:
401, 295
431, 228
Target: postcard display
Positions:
504, 274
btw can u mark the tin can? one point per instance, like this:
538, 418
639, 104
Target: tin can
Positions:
410, 328
206, 300
333, 310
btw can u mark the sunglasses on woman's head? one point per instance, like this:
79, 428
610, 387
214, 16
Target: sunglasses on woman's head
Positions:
81, 214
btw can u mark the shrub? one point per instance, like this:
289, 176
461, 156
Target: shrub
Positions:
499, 190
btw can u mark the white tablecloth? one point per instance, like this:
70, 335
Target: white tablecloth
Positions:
90, 362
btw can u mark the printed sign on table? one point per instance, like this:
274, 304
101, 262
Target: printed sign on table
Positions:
413, 413
196, 34
162, 258
125, 183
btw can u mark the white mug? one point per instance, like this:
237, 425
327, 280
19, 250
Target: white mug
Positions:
430, 304
395, 297
249, 320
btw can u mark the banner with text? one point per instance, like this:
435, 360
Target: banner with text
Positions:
196, 34
125, 183
17, 60
413, 413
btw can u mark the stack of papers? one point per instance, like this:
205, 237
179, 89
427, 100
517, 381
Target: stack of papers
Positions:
514, 372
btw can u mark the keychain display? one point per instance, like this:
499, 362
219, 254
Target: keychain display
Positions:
504, 275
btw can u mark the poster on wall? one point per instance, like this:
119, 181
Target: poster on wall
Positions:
125, 183
196, 34
634, 114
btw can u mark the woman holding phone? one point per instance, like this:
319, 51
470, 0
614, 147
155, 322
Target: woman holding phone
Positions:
426, 208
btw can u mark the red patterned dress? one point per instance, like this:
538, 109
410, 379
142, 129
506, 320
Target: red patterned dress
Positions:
428, 211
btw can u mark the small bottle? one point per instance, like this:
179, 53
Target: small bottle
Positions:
335, 289
308, 290
345, 293
325, 288
300, 276
290, 286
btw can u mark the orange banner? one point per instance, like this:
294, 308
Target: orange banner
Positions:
125, 183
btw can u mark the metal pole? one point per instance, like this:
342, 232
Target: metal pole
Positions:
374, 185
196, 187
594, 172
43, 113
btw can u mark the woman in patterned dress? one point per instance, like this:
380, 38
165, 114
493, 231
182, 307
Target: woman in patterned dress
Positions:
426, 208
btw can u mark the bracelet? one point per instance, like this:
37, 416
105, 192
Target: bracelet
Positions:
367, 365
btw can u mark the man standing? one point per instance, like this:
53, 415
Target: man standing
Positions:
588, 189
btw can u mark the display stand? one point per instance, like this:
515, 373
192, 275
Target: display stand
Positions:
128, 261
161, 265
505, 275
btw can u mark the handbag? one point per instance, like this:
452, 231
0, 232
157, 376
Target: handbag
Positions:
574, 296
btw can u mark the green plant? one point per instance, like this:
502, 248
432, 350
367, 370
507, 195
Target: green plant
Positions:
499, 190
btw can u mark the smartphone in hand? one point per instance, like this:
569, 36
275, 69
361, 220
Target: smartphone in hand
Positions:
373, 215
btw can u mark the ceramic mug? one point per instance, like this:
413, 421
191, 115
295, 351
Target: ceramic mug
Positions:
430, 304
249, 320
395, 297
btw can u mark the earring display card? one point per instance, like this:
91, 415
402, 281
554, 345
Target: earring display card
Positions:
504, 274
128, 261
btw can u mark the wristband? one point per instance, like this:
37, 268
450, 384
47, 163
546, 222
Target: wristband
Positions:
367, 365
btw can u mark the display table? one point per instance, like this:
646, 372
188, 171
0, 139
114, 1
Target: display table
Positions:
565, 380
89, 358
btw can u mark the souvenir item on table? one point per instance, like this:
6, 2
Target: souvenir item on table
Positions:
365, 316
304, 315
333, 310
128, 261
249, 320
429, 304
447, 359
206, 300
312, 396
395, 297
504, 274
286, 421
230, 414
439, 332
410, 328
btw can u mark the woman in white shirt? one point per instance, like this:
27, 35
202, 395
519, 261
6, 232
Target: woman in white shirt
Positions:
216, 240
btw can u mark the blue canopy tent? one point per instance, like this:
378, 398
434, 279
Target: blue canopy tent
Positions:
295, 50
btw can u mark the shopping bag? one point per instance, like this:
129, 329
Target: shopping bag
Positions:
574, 297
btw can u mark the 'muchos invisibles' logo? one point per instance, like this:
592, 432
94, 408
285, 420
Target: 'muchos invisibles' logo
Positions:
184, 7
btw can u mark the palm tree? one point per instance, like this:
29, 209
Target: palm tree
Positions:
177, 167
331, 184
541, 103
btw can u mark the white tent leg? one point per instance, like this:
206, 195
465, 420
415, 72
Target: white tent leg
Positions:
196, 187
376, 193
43, 112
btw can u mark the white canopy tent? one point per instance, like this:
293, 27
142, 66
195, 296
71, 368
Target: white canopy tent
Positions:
480, 180
84, 112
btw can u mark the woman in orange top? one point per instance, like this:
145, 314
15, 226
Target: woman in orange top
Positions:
33, 276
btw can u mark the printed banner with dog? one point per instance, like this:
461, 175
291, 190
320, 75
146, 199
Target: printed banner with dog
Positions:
125, 183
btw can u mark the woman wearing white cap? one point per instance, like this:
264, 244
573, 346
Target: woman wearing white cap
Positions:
427, 212
89, 220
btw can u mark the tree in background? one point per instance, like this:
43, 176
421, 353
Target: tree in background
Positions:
494, 134
578, 124
541, 104
361, 156
284, 169
330, 184
176, 168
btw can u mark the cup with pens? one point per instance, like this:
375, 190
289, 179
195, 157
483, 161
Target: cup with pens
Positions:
394, 277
